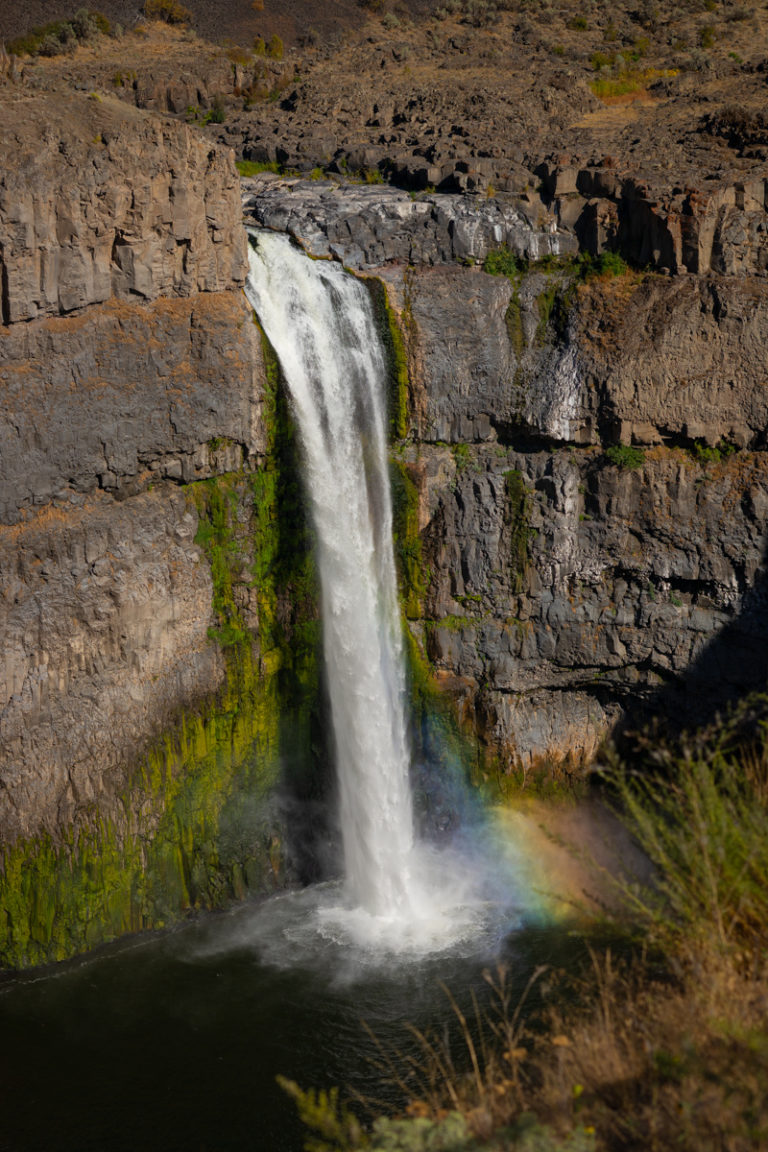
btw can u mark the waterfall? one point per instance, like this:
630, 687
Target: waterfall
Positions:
319, 321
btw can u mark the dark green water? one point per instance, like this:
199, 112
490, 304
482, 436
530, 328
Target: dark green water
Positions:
172, 1042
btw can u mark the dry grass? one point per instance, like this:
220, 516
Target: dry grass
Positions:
654, 1065
664, 1049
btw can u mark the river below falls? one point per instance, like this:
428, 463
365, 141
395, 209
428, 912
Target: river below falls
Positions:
173, 1041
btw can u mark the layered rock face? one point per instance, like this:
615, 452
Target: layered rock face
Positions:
103, 202
566, 592
571, 591
132, 379
128, 357
586, 455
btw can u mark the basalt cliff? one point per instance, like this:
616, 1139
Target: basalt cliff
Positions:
579, 413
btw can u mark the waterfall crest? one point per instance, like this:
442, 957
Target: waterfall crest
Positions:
319, 321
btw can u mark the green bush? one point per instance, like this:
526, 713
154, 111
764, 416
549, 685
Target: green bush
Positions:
625, 456
611, 264
503, 262
703, 454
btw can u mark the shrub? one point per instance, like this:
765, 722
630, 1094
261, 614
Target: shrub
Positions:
638, 50
170, 11
217, 114
87, 24
50, 45
239, 55
275, 47
703, 454
481, 13
608, 264
625, 456
600, 60
707, 36
60, 35
503, 262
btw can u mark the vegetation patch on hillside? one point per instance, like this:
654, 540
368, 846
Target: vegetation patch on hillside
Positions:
60, 35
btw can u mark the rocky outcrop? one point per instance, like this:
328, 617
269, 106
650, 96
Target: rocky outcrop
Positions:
566, 591
720, 229
365, 227
104, 202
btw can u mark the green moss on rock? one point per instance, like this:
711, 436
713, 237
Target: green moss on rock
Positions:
519, 516
195, 824
397, 357
407, 541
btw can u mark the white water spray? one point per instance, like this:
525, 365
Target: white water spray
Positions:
319, 321
401, 896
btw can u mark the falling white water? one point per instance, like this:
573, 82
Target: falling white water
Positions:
320, 323
401, 896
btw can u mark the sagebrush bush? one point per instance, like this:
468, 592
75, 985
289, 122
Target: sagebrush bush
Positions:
60, 35
170, 11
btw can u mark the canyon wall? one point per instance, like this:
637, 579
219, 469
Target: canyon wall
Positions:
138, 676
593, 491
580, 480
586, 445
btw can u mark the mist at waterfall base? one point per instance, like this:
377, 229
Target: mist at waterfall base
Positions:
399, 896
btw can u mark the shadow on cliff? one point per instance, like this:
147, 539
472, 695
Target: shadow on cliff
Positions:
732, 665
307, 794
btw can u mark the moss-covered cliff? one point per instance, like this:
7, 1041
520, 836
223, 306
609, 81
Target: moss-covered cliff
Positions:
197, 820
